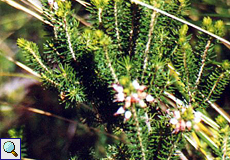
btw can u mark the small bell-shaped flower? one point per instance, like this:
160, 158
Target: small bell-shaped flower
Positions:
149, 98
128, 115
55, 6
182, 124
136, 95
121, 110
51, 2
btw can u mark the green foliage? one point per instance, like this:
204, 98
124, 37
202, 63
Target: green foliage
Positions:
160, 79
223, 138
18, 133
162, 143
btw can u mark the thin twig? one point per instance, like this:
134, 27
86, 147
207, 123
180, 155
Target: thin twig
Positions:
20, 7
110, 65
202, 63
116, 25
225, 147
187, 76
33, 4
22, 66
38, 60
214, 86
99, 15
80, 19
147, 47
18, 75
69, 40
50, 80
219, 110
86, 4
138, 132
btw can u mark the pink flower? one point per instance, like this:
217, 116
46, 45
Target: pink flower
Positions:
197, 117
117, 88
181, 124
127, 102
173, 121
176, 114
142, 88
189, 125
55, 6
120, 97
136, 85
149, 98
128, 115
142, 104
51, 2
119, 111
137, 96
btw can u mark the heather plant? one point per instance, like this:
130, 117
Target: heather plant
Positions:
140, 86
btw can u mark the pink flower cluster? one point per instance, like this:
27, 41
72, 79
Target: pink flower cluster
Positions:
138, 96
181, 124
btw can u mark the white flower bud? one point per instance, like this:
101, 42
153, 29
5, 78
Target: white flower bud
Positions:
142, 104
128, 102
117, 88
182, 125
177, 114
128, 114
120, 97
142, 88
173, 121
119, 111
149, 98
189, 125
136, 85
135, 97
183, 110
197, 117
141, 95
55, 6
50, 2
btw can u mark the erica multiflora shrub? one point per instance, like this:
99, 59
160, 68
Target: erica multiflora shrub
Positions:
142, 86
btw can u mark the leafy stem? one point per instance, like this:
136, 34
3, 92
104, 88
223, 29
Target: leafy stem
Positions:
110, 64
204, 56
151, 27
69, 39
138, 129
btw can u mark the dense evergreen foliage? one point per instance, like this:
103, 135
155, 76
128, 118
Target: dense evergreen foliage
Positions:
141, 86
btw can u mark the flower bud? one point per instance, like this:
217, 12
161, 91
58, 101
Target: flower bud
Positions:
182, 125
121, 110
207, 21
127, 102
189, 125
136, 85
51, 2
55, 6
173, 121
128, 114
184, 29
177, 114
142, 104
149, 98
